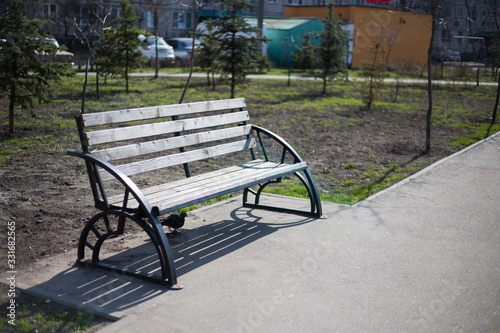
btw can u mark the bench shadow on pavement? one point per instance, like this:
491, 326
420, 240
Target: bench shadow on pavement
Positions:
109, 292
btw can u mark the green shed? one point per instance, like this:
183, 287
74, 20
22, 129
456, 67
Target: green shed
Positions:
286, 34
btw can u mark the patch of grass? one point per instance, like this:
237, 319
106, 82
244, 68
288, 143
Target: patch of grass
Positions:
35, 314
482, 132
61, 101
289, 188
349, 182
64, 123
348, 166
337, 195
329, 123
376, 180
6, 152
186, 209
353, 122
385, 104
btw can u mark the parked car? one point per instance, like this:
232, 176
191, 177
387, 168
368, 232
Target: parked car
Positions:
61, 55
446, 55
165, 52
183, 47
453, 55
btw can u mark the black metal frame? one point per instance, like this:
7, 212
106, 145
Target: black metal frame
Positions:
145, 212
308, 182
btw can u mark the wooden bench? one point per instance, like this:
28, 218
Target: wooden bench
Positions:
158, 138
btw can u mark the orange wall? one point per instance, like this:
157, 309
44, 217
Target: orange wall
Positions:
412, 31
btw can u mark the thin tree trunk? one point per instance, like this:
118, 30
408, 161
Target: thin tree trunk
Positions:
97, 90
126, 73
84, 93
397, 90
428, 118
157, 63
494, 116
191, 58
12, 104
370, 95
233, 67
325, 75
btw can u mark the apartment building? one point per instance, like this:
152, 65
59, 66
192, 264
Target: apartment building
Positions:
175, 19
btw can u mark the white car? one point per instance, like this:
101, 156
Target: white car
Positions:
60, 56
165, 52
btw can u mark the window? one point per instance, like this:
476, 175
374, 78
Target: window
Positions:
115, 13
150, 19
273, 1
88, 15
181, 20
295, 2
49, 12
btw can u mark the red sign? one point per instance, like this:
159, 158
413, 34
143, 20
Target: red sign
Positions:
377, 1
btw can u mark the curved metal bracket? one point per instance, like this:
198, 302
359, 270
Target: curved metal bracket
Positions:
154, 230
307, 180
90, 228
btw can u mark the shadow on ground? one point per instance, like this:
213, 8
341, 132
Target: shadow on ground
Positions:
110, 293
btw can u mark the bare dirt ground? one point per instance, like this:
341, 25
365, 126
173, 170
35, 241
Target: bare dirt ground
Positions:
46, 193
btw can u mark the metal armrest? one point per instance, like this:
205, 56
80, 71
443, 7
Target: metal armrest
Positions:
129, 184
278, 139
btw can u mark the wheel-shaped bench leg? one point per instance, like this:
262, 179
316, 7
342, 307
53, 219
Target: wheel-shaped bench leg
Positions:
111, 223
309, 184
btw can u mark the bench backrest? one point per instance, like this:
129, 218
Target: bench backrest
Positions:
145, 132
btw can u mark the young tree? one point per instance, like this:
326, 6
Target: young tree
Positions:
286, 42
91, 35
375, 71
104, 55
123, 43
495, 61
24, 76
332, 48
196, 8
434, 4
494, 49
240, 43
209, 50
304, 56
159, 22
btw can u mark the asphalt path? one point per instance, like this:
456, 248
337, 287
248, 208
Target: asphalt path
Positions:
306, 77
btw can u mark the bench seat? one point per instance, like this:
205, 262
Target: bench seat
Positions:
189, 191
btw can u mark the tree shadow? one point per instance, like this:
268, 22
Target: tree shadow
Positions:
393, 170
488, 131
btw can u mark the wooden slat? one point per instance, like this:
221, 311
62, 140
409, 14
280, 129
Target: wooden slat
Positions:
181, 158
207, 180
189, 191
148, 130
156, 190
156, 146
193, 197
122, 116
239, 176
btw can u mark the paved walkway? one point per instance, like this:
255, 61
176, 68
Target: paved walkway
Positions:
306, 77
421, 256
